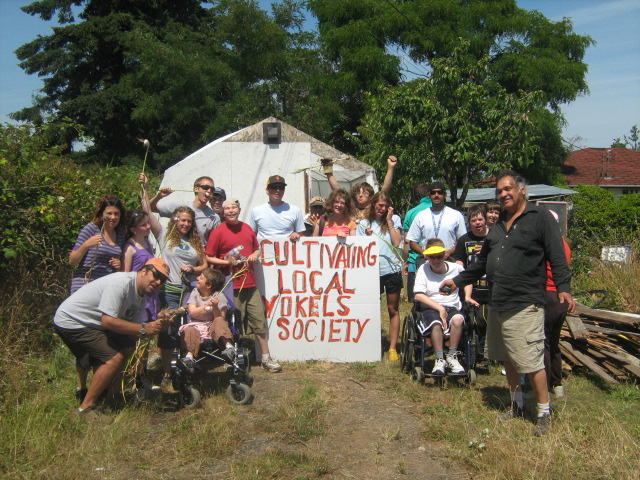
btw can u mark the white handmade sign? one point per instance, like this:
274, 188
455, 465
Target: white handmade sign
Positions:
322, 298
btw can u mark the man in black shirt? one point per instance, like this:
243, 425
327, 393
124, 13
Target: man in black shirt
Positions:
513, 257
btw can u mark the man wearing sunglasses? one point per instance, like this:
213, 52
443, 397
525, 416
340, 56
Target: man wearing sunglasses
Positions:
277, 218
206, 218
102, 322
438, 221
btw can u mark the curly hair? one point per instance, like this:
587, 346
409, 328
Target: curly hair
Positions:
109, 201
192, 237
371, 211
348, 202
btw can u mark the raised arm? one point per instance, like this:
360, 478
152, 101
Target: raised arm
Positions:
388, 178
146, 206
327, 165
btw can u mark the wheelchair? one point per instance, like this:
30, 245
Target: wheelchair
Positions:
185, 380
416, 349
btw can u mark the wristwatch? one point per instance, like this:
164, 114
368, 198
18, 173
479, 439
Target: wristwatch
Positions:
143, 331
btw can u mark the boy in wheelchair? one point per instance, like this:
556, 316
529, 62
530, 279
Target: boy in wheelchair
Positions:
440, 310
207, 307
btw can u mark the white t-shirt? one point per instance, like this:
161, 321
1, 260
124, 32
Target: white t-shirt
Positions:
206, 219
177, 256
447, 225
390, 257
281, 221
115, 295
428, 282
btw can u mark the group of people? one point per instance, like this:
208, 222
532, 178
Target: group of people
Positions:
501, 262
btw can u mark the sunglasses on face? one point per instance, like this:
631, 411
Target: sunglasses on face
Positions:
437, 192
276, 187
206, 187
158, 276
435, 257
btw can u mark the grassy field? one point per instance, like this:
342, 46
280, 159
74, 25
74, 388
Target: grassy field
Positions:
595, 435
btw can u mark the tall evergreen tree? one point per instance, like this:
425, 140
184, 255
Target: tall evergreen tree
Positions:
173, 71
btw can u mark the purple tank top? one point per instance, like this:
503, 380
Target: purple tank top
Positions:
139, 258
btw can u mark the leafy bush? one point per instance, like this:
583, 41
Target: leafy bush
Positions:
598, 220
46, 199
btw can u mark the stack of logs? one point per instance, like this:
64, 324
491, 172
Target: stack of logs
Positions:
607, 343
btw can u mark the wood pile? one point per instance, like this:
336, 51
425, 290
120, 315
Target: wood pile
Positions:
607, 343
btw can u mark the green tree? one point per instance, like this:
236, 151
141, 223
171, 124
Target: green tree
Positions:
526, 52
459, 125
172, 71
632, 141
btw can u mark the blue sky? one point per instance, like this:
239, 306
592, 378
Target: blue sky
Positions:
609, 111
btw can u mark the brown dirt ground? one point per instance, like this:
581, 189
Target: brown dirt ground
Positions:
370, 434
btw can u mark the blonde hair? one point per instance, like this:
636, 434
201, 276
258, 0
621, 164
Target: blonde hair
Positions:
192, 236
434, 242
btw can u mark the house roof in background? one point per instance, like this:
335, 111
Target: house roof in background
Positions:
537, 192
606, 167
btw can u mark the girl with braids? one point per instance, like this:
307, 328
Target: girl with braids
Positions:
386, 227
182, 249
339, 221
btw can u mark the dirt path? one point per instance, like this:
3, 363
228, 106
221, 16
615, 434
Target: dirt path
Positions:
369, 433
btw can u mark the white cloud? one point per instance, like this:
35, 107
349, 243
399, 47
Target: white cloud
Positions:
601, 11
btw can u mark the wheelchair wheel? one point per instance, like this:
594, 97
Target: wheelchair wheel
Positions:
408, 340
471, 376
417, 375
190, 397
239, 393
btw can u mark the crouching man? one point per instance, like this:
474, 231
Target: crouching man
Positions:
102, 321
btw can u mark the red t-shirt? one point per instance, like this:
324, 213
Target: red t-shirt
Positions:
225, 238
551, 286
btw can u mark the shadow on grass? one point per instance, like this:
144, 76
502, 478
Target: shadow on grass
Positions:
495, 397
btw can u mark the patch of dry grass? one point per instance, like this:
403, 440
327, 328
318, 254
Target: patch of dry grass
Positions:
620, 280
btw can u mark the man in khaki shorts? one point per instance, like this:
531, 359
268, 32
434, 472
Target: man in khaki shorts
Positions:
513, 257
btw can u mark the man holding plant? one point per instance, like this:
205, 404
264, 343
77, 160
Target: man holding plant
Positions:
233, 247
103, 320
206, 218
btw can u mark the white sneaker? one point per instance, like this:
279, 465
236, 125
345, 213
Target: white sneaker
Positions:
438, 368
189, 362
454, 364
271, 365
229, 353
558, 391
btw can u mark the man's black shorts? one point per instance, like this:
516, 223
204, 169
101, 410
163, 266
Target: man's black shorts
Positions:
99, 345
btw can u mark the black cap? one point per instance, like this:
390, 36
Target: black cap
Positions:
219, 191
437, 186
276, 180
